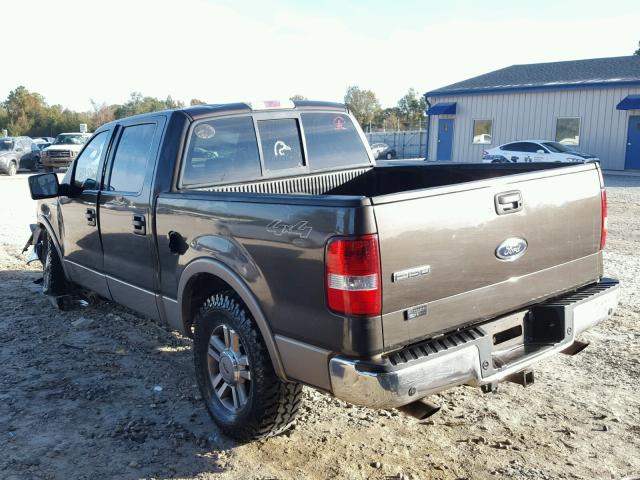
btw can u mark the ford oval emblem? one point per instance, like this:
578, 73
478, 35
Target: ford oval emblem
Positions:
511, 249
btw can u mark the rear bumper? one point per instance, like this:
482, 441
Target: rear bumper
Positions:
469, 357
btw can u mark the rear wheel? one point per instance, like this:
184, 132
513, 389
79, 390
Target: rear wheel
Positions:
389, 156
13, 169
242, 392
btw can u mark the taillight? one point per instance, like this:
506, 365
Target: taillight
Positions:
353, 276
603, 224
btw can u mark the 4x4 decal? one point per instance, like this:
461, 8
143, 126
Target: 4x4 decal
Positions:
300, 229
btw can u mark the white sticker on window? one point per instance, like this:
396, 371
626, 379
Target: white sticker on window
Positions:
280, 148
205, 131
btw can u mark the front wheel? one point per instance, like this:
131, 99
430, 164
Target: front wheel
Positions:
54, 282
13, 169
241, 390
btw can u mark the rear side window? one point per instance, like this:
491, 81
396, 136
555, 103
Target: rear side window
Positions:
332, 141
131, 158
281, 146
222, 151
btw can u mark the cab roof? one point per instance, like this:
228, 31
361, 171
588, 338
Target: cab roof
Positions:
197, 112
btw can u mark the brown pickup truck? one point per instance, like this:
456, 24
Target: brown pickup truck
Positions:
269, 234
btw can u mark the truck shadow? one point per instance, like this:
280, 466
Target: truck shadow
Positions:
99, 391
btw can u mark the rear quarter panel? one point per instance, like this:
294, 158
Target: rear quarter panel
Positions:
283, 268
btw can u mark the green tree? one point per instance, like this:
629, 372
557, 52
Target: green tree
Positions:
195, 101
138, 104
362, 103
23, 110
412, 107
638, 50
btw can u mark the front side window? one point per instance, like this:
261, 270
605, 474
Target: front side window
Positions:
333, 141
530, 147
85, 174
222, 151
568, 130
132, 156
482, 131
281, 145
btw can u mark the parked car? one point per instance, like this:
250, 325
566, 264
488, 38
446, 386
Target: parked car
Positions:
16, 153
382, 150
535, 151
43, 140
380, 285
63, 150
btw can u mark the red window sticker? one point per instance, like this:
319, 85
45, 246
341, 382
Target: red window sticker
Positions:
338, 122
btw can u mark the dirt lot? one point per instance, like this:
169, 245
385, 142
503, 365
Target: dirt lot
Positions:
104, 393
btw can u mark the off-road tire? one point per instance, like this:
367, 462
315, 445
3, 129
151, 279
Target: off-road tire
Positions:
54, 282
272, 403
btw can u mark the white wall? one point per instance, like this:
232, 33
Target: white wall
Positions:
533, 114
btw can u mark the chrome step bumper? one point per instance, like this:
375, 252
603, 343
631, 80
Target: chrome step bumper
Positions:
471, 356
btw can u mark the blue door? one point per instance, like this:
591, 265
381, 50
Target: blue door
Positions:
633, 144
445, 139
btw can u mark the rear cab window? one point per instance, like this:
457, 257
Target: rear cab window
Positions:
242, 149
281, 144
333, 141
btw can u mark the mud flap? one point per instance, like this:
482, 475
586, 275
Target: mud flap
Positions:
34, 240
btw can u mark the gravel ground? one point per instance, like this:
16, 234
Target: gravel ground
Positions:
101, 392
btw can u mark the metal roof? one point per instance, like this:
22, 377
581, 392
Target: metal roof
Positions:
597, 72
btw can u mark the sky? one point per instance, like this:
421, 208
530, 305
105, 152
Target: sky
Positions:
73, 52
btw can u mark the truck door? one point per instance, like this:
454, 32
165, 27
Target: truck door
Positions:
82, 250
126, 223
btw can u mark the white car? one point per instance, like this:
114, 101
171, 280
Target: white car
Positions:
382, 150
527, 151
63, 150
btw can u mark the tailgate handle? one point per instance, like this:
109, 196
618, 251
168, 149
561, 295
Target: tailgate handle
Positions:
508, 202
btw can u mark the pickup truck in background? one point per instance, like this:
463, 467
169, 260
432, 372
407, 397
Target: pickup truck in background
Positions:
63, 150
268, 234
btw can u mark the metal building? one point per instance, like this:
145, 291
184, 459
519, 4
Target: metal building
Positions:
593, 105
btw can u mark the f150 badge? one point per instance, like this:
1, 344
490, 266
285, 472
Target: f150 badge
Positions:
511, 249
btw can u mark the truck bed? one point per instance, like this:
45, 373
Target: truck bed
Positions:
443, 218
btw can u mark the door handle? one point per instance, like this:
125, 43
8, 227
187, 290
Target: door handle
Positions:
90, 215
139, 225
508, 202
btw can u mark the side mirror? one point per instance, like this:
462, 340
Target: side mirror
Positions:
541, 151
19, 149
44, 186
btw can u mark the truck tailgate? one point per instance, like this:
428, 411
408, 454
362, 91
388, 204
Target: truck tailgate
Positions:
438, 248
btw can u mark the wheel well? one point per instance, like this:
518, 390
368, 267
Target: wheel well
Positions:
200, 287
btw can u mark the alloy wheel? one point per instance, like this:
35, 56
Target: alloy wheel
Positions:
229, 369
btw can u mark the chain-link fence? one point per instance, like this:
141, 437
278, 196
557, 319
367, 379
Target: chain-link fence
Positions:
406, 144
